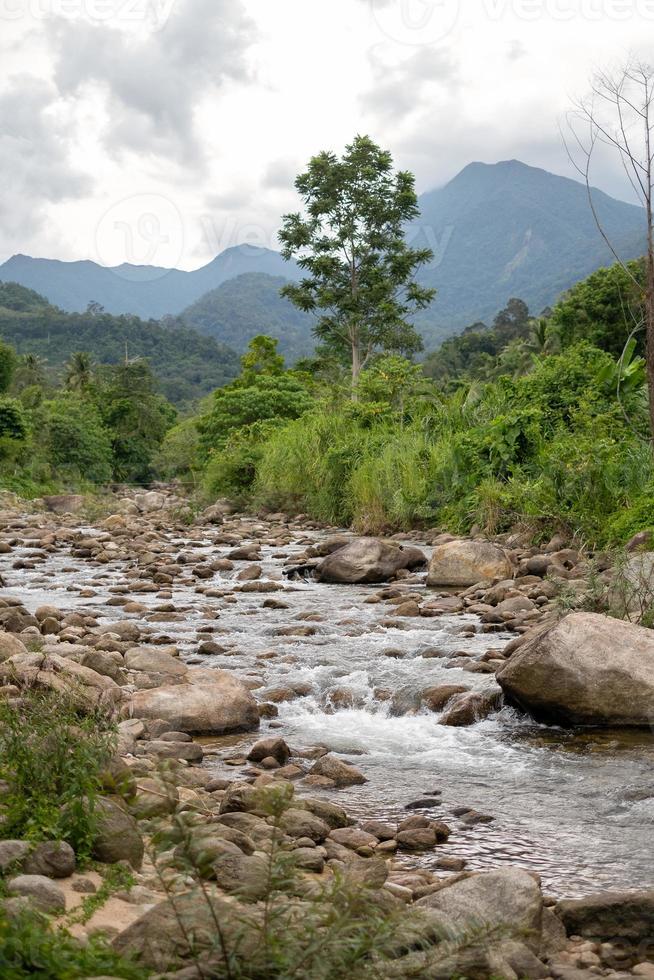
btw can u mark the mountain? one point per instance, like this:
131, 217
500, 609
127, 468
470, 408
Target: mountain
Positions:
249, 305
507, 229
145, 291
187, 364
498, 231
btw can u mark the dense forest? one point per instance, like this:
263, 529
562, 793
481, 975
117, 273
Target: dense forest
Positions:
187, 365
247, 306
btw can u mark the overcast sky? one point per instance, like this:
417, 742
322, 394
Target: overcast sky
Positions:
163, 131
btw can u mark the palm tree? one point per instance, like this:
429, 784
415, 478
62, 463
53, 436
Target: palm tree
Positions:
79, 371
31, 370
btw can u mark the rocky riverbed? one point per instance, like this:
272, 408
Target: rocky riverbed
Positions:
367, 673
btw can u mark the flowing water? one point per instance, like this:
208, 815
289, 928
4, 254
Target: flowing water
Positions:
576, 807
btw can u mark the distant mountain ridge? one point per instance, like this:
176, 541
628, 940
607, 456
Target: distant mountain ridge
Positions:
498, 230
150, 292
507, 229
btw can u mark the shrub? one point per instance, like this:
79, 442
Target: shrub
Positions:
28, 948
638, 515
51, 760
77, 442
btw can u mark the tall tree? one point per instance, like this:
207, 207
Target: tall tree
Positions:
79, 371
619, 114
7, 366
350, 241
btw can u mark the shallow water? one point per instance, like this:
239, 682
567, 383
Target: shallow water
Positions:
578, 808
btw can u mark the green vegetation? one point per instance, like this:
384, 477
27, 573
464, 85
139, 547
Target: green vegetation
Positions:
28, 948
542, 429
186, 364
246, 306
52, 779
103, 424
240, 416
350, 243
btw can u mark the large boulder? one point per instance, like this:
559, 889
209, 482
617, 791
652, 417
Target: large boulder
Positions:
463, 563
368, 560
10, 645
211, 702
41, 892
508, 900
64, 503
63, 676
117, 836
610, 916
52, 859
586, 670
183, 926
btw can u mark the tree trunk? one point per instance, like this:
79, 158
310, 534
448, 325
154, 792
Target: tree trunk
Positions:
356, 367
649, 333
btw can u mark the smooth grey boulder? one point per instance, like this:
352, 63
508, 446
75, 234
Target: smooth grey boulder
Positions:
41, 891
586, 670
117, 837
10, 645
216, 704
53, 859
610, 916
508, 900
342, 773
465, 563
12, 854
368, 560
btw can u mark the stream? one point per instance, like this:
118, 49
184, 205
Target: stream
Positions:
576, 807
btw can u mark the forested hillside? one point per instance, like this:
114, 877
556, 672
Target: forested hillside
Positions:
186, 364
249, 305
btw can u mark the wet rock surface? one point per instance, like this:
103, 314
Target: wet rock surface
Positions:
377, 697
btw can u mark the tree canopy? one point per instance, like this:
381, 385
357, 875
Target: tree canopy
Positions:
350, 241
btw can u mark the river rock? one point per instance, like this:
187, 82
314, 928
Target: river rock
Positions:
270, 747
154, 798
155, 662
464, 563
467, 709
435, 698
10, 645
64, 503
43, 893
161, 936
54, 673
218, 703
12, 853
52, 859
508, 900
102, 662
609, 916
586, 670
150, 501
367, 560
117, 836
342, 773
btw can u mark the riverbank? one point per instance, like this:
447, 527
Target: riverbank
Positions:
354, 673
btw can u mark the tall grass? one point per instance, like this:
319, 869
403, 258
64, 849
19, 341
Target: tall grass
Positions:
550, 450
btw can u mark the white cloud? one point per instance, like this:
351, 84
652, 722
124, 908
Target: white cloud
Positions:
213, 106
